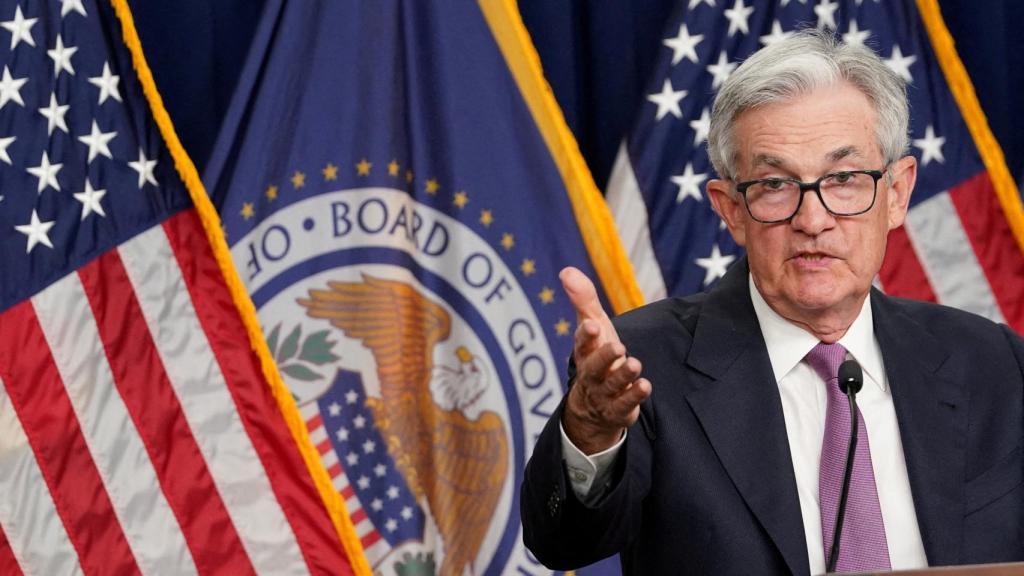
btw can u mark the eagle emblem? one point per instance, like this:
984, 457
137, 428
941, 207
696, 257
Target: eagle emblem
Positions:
455, 464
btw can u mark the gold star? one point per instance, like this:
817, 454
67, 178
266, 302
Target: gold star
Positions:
432, 186
271, 192
547, 295
562, 328
393, 168
486, 218
508, 241
363, 167
298, 180
461, 199
527, 267
408, 176
247, 210
330, 172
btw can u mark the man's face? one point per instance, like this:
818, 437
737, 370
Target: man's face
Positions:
815, 268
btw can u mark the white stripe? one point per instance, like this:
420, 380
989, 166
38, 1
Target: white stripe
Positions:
146, 518
329, 459
364, 527
201, 389
28, 516
340, 481
630, 213
948, 260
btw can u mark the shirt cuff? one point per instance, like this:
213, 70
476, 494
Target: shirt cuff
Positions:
589, 474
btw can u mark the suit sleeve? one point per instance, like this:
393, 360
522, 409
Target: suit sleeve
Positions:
563, 532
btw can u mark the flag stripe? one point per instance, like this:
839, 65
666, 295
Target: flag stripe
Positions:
947, 257
901, 273
259, 410
29, 523
994, 246
41, 404
209, 408
8, 563
117, 450
143, 385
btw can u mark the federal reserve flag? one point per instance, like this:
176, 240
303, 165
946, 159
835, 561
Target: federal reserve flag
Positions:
963, 242
400, 192
139, 430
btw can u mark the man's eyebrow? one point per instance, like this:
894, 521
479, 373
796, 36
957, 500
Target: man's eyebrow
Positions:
768, 160
843, 153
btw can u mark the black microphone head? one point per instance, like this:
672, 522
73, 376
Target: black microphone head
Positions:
851, 378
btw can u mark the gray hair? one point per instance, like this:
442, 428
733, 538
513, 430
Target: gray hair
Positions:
804, 62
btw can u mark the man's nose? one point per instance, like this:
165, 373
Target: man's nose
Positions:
812, 217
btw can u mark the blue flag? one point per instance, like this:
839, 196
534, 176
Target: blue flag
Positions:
400, 192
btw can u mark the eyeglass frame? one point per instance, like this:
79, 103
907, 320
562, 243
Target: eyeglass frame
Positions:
876, 175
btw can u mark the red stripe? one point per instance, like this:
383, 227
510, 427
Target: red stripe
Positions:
334, 471
314, 423
153, 405
261, 416
359, 516
348, 492
993, 242
324, 447
370, 539
901, 273
8, 563
42, 405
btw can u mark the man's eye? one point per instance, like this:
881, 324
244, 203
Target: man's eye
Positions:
774, 184
842, 177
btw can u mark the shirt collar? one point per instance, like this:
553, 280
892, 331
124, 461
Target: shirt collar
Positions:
788, 343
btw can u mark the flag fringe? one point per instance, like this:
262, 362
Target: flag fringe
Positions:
967, 100
592, 214
215, 235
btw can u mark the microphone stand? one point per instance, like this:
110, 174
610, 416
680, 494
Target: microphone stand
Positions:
851, 380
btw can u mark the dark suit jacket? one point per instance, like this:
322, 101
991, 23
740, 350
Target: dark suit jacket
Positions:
705, 481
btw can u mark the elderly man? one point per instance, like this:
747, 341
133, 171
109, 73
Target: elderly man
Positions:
727, 456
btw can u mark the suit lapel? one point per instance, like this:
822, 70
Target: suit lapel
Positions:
932, 415
741, 412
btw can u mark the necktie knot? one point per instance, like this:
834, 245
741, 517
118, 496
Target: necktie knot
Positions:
825, 359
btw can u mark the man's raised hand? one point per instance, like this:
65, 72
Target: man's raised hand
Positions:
607, 391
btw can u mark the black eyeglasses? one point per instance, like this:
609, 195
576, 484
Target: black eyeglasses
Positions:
847, 193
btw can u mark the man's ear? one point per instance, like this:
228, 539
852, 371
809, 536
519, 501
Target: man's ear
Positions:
904, 175
730, 208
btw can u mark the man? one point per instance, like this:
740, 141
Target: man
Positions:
727, 456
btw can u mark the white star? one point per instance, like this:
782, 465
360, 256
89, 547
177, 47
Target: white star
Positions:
363, 482
698, 2
145, 169
68, 5
342, 435
667, 100
90, 200
738, 16
776, 35
784, 2
20, 28
900, 64
351, 397
406, 513
701, 127
107, 83
369, 446
715, 265
55, 115
856, 36
47, 173
391, 525
352, 458
721, 70
4, 144
860, 1
826, 12
380, 470
98, 142
61, 56
37, 232
334, 409
689, 184
10, 88
376, 504
683, 45
393, 492
931, 147
359, 421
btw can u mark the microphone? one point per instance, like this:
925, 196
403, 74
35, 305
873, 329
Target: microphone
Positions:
851, 380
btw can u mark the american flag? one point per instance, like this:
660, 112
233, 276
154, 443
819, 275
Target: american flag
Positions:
138, 431
963, 240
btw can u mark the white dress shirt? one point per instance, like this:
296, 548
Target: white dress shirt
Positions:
804, 404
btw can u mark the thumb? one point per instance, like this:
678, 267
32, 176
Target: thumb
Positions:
583, 296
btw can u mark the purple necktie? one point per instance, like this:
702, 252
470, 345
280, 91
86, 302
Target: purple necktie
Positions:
862, 545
